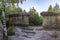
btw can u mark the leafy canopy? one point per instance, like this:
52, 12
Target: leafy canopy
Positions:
34, 18
54, 9
50, 8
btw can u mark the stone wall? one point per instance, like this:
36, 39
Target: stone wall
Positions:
51, 20
18, 19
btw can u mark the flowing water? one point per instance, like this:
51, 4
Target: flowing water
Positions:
33, 33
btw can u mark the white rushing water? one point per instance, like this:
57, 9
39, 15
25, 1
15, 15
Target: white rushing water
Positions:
36, 34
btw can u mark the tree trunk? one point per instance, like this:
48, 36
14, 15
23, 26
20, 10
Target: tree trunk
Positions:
5, 37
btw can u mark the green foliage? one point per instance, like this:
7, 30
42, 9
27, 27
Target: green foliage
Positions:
50, 8
41, 19
17, 10
0, 11
55, 34
56, 8
13, 1
34, 18
9, 10
10, 30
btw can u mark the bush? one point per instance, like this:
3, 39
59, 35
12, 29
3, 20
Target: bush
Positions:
11, 30
34, 18
55, 34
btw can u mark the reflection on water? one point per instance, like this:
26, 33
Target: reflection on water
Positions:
39, 34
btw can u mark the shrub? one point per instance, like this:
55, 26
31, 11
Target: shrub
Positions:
55, 34
11, 30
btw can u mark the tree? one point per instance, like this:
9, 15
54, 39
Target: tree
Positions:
8, 10
56, 8
41, 20
4, 2
34, 18
12, 2
17, 9
50, 9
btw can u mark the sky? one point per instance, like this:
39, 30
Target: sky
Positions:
39, 5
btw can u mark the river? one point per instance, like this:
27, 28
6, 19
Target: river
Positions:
32, 33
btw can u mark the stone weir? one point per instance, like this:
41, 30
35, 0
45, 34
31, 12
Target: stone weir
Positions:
51, 20
18, 19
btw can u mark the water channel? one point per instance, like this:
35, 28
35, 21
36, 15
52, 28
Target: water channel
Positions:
33, 33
